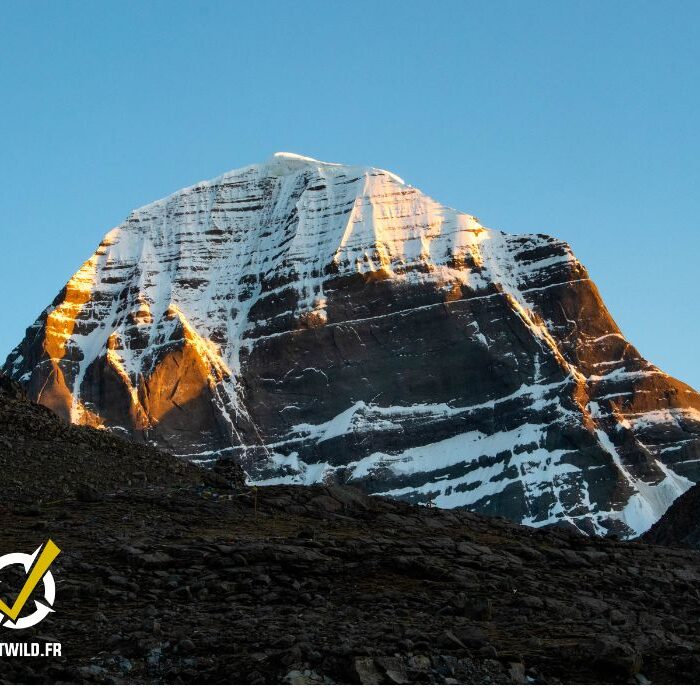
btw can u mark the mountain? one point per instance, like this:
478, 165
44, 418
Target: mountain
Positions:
680, 524
314, 584
317, 321
42, 459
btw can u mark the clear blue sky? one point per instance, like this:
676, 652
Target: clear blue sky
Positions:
578, 119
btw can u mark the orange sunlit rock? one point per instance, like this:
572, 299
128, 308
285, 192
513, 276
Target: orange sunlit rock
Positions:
60, 324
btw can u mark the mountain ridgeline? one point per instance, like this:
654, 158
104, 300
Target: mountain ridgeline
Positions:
320, 322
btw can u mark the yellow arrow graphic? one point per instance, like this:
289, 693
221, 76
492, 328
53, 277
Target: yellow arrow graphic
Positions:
36, 573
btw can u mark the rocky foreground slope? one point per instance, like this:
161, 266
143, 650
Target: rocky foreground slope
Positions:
325, 322
171, 574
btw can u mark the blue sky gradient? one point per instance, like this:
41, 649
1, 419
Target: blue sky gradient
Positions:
578, 119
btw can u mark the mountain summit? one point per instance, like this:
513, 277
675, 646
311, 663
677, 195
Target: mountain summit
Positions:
324, 322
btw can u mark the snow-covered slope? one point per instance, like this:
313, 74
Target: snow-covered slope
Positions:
324, 321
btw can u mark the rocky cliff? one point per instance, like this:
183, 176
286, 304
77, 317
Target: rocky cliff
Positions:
680, 524
323, 322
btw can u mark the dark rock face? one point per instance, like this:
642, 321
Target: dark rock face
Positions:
11, 389
325, 323
680, 525
164, 576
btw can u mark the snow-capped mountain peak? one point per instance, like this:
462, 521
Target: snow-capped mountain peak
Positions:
319, 320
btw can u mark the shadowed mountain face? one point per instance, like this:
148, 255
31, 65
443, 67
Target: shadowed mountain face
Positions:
680, 524
319, 321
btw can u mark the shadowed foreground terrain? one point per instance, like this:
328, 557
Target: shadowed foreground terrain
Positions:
169, 574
